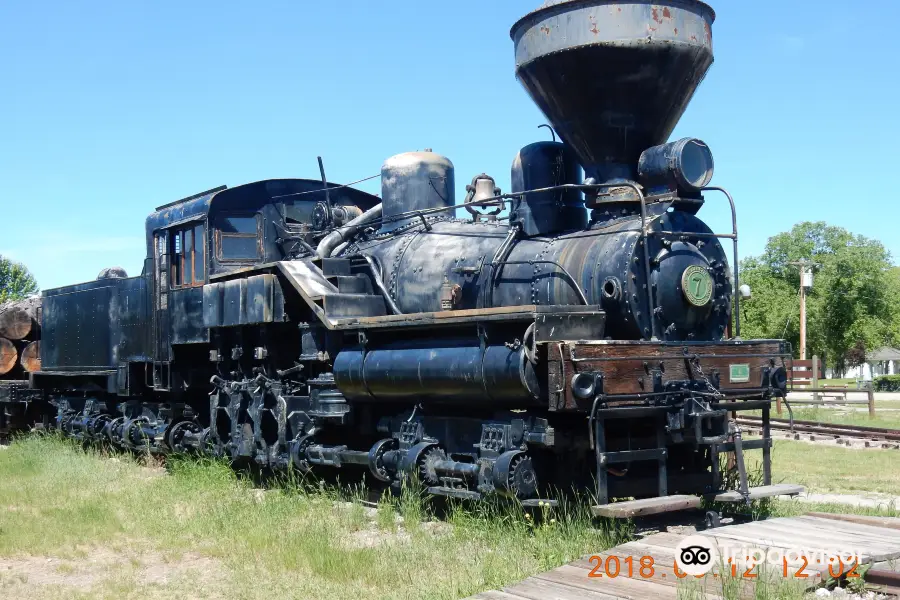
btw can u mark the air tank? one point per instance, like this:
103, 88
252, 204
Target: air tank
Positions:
542, 165
414, 181
613, 76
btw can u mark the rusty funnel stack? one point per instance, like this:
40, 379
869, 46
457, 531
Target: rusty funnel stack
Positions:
613, 76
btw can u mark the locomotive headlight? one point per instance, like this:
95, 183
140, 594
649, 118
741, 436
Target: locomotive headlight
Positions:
686, 165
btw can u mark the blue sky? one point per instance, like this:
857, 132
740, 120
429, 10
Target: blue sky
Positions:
109, 109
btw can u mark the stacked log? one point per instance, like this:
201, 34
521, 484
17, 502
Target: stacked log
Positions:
20, 346
30, 356
8, 356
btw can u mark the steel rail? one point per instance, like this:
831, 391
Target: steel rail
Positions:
837, 429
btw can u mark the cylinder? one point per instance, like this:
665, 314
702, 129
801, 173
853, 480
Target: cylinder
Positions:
415, 181
443, 370
542, 165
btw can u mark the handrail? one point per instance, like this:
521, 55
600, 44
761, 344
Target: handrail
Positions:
737, 267
644, 232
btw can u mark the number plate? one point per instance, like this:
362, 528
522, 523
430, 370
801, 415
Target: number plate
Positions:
739, 373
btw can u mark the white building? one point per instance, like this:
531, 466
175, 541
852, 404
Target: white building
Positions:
884, 361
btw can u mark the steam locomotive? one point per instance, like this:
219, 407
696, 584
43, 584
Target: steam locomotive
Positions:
577, 331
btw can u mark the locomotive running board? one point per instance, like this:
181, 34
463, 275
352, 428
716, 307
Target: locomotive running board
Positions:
763, 491
645, 506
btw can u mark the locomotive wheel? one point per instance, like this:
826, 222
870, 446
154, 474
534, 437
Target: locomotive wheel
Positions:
514, 475
143, 442
98, 425
65, 422
298, 453
176, 435
427, 472
113, 431
207, 445
376, 459
414, 462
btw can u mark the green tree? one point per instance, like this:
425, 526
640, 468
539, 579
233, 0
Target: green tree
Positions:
854, 302
16, 281
894, 291
773, 310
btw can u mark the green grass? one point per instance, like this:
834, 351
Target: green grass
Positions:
81, 524
838, 382
113, 528
833, 469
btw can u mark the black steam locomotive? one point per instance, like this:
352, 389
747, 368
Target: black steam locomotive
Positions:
575, 331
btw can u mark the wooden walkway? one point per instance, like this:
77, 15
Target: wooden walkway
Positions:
876, 540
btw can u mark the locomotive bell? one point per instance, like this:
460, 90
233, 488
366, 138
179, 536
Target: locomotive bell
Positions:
482, 188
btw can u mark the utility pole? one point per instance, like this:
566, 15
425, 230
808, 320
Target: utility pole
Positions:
806, 281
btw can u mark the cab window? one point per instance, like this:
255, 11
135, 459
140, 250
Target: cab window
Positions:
237, 238
188, 256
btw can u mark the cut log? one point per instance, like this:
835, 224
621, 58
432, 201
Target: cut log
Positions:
30, 358
20, 319
8, 356
15, 323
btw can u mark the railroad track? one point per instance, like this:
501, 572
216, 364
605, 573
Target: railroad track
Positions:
837, 430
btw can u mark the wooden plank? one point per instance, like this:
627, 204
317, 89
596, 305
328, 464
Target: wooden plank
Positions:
623, 363
809, 538
838, 540
663, 540
620, 587
784, 547
725, 538
763, 491
663, 567
639, 549
876, 534
885, 522
741, 562
849, 531
645, 506
887, 565
810, 532
539, 589
868, 531
496, 595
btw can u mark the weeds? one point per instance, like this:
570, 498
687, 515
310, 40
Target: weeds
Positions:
217, 534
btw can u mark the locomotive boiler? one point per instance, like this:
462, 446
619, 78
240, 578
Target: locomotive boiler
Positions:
577, 330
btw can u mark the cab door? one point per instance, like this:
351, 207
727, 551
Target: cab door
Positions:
187, 274
162, 355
